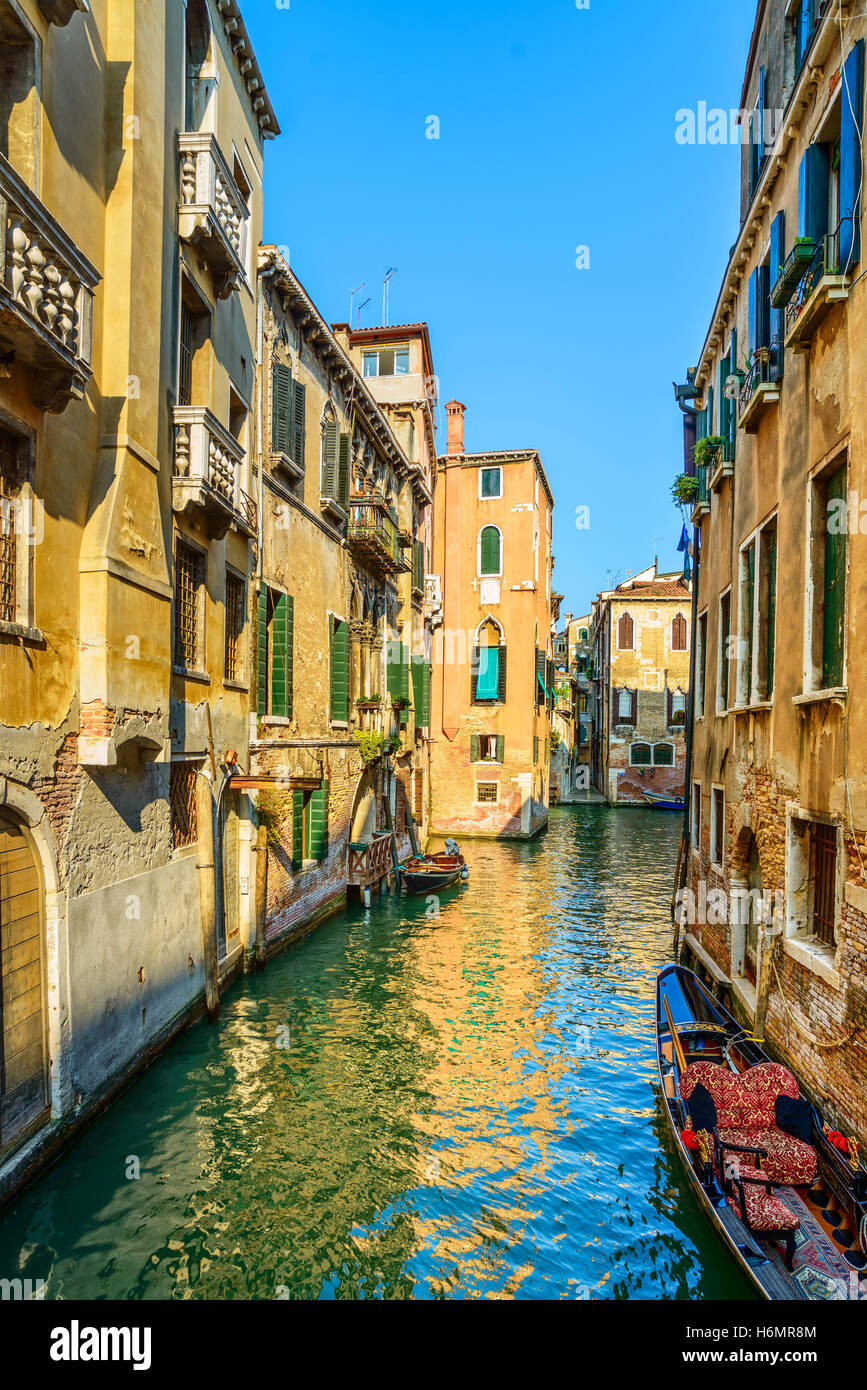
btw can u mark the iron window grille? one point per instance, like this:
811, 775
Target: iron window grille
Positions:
234, 627
189, 577
182, 804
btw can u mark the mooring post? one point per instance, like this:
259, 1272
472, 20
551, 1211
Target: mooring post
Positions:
207, 892
261, 887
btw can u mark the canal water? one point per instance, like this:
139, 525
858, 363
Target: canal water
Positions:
409, 1106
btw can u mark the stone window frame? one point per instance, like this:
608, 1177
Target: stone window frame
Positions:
748, 692
812, 683
199, 672
695, 817
30, 517
799, 942
701, 626
722, 656
720, 863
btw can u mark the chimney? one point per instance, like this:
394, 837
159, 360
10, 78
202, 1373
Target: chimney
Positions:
455, 427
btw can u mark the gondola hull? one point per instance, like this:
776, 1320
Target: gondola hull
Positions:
433, 873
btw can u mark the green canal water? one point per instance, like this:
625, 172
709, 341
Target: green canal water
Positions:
405, 1106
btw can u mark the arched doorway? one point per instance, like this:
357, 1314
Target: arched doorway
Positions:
23, 1071
747, 908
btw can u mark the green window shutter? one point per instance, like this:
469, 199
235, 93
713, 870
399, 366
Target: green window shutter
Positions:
281, 393
724, 403
490, 551
501, 748
501, 687
262, 653
299, 422
317, 818
540, 677
420, 671
835, 589
339, 670
725, 627
282, 624
343, 471
474, 748
851, 133
813, 180
474, 673
535, 749
710, 412
772, 614
297, 829
397, 670
329, 460
425, 687
733, 411
751, 598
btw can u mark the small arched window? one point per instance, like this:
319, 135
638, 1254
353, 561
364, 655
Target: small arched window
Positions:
582, 634
678, 633
625, 633
639, 755
663, 755
490, 551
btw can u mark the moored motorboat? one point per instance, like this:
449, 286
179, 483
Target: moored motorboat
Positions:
432, 872
659, 802
785, 1193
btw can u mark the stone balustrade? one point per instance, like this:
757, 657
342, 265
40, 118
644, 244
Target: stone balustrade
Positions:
208, 463
213, 215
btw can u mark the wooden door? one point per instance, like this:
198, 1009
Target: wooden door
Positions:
23, 1089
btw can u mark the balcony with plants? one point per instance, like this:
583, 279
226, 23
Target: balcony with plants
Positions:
372, 534
821, 285
208, 466
760, 388
46, 297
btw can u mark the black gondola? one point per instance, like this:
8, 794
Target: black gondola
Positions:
796, 1225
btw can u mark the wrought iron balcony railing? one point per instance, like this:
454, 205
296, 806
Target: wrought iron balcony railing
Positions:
213, 215
761, 386
207, 472
372, 534
46, 297
822, 284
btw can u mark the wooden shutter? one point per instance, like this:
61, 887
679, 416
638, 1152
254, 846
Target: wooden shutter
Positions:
397, 671
813, 193
835, 589
851, 132
678, 633
753, 310
751, 603
490, 557
776, 325
501, 683
262, 653
733, 412
426, 695
669, 707
474, 748
297, 829
501, 748
299, 422
633, 718
343, 471
339, 670
329, 460
282, 625
281, 393
724, 403
317, 815
624, 633
474, 674
540, 677
772, 614
710, 414
420, 671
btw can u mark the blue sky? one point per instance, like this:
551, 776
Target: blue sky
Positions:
557, 130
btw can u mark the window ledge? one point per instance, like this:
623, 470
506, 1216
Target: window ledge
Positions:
288, 465
201, 676
280, 720
340, 723
756, 707
835, 694
237, 685
21, 633
332, 508
821, 960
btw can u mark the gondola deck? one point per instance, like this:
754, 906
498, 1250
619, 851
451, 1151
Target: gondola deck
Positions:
704, 1030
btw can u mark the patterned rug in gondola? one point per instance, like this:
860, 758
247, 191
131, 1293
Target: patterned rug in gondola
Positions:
820, 1271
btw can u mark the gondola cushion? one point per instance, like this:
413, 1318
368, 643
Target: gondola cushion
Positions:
722, 1085
746, 1114
765, 1211
759, 1088
788, 1160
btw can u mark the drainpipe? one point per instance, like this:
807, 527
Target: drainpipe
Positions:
690, 413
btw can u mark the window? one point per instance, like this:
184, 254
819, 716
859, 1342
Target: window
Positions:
676, 708
625, 706
182, 803
663, 755
421, 672
309, 834
418, 566
386, 362
289, 418
185, 370
189, 607
625, 633
758, 616
535, 749
701, 666
487, 793
678, 633
717, 825
490, 551
695, 815
640, 755
18, 520
275, 653
235, 604
582, 634
490, 482
334, 475
745, 643
826, 616
339, 671
194, 366
487, 748
19, 103
722, 700
823, 871
815, 862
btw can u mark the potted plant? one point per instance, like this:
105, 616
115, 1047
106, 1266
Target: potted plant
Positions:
707, 450
684, 490
371, 745
369, 702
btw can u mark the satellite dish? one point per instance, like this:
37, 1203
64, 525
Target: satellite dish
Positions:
732, 387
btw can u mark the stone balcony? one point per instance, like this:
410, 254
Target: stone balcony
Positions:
46, 298
212, 215
208, 463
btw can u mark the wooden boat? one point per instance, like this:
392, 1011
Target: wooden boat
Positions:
797, 1229
430, 873
663, 803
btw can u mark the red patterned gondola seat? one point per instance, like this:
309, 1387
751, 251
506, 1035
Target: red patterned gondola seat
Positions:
746, 1115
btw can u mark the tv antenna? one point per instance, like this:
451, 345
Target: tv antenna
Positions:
352, 294
363, 305
390, 273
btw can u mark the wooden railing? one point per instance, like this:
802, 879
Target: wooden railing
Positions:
368, 863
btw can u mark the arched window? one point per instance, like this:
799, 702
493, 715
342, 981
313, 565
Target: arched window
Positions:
489, 663
678, 633
639, 755
625, 633
490, 551
582, 634
663, 755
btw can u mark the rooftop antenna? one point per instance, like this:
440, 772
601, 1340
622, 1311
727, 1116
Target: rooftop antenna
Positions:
362, 305
352, 294
655, 554
389, 275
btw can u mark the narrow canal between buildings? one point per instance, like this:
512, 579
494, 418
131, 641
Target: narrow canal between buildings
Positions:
409, 1107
